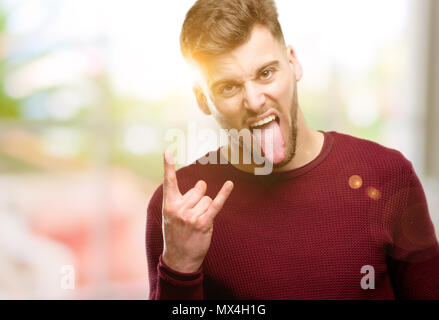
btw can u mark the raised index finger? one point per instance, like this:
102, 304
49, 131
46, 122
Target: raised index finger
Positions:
170, 186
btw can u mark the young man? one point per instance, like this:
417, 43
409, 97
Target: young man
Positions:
337, 218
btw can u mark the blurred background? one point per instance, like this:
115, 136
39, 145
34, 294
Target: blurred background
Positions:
89, 88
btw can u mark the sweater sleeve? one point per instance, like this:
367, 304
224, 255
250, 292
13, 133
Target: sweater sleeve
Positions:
413, 261
164, 282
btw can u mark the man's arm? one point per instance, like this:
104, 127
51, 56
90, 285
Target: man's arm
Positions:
413, 261
416, 280
178, 243
164, 282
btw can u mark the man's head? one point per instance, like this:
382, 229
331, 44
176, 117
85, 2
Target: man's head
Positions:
248, 72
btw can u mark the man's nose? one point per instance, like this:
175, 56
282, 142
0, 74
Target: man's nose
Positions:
254, 97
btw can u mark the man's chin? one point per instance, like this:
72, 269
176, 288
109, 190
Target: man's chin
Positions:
286, 160
278, 164
275, 164
283, 163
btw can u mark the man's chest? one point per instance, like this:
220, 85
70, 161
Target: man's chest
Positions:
290, 252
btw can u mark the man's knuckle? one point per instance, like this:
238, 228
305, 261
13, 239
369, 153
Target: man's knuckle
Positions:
200, 225
216, 205
183, 217
193, 221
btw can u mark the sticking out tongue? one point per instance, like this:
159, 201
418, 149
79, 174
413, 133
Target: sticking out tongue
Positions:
271, 141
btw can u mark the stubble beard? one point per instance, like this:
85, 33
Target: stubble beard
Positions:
291, 142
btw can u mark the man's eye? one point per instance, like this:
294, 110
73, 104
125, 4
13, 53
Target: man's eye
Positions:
265, 75
228, 89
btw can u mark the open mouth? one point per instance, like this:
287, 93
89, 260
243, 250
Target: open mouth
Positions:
263, 122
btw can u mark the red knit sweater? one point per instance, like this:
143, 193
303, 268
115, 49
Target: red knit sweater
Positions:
307, 233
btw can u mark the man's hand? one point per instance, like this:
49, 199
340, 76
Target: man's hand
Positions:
187, 220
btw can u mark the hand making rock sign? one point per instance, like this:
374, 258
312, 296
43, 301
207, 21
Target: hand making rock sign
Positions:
188, 220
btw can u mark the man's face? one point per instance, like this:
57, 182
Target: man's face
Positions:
253, 84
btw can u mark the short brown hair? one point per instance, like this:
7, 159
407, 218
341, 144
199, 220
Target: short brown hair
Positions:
214, 27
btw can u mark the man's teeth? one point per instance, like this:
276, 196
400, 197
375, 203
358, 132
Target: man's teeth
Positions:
263, 121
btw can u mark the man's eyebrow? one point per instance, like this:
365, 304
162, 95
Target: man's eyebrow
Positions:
274, 63
223, 81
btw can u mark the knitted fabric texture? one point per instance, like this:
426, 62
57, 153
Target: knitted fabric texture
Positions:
309, 233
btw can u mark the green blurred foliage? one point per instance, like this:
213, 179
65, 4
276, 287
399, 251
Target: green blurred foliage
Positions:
9, 108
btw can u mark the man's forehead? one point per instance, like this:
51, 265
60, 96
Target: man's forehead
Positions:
245, 60
229, 68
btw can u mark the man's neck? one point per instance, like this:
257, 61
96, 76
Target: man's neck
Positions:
309, 143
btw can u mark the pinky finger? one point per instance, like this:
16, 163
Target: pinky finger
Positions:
219, 201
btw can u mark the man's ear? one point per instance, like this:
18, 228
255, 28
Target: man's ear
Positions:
294, 63
201, 99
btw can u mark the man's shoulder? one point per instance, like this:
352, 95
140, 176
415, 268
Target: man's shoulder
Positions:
369, 152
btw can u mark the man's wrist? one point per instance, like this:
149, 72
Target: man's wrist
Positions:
180, 267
